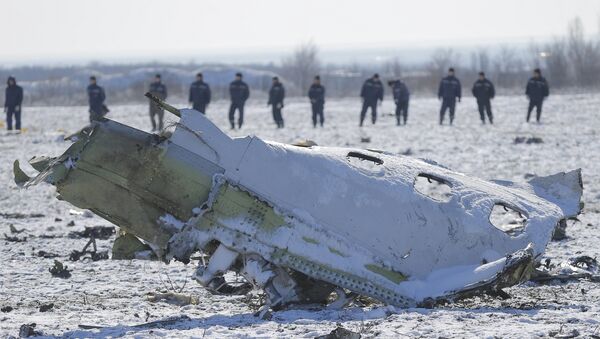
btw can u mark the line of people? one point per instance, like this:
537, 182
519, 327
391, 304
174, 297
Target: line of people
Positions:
449, 92
239, 92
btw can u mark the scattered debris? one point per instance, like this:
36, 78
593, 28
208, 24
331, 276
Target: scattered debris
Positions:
239, 288
153, 324
48, 236
94, 254
85, 213
14, 239
560, 232
340, 333
59, 270
6, 309
365, 140
46, 307
582, 267
528, 140
559, 334
47, 255
28, 330
21, 215
173, 298
585, 262
14, 230
96, 232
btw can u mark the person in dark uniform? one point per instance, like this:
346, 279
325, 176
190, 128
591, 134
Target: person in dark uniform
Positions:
13, 101
449, 91
159, 90
537, 90
239, 93
483, 90
96, 97
276, 96
316, 94
401, 97
199, 94
371, 92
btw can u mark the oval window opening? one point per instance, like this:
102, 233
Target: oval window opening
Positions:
508, 219
362, 156
368, 162
433, 187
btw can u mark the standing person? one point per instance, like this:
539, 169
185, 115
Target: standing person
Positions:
12, 103
316, 94
483, 90
159, 90
401, 96
239, 92
276, 96
449, 90
199, 94
537, 90
371, 92
96, 99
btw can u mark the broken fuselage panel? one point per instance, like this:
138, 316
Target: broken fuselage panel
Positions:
300, 222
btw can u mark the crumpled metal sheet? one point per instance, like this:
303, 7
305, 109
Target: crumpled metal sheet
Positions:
310, 216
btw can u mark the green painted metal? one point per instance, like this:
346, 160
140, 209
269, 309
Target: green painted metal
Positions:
131, 178
335, 251
232, 202
126, 246
20, 177
233, 207
311, 240
393, 276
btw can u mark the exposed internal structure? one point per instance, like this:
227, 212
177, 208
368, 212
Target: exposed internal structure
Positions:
305, 222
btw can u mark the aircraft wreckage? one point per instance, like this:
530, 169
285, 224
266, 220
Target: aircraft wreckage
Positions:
307, 223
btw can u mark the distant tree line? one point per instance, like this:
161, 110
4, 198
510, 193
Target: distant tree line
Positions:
569, 61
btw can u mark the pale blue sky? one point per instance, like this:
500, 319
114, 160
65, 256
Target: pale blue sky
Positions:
38, 30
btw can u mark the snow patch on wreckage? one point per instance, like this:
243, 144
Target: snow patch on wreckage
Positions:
303, 223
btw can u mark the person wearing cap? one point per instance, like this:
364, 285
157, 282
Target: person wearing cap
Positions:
371, 92
159, 90
96, 97
537, 90
12, 103
483, 90
199, 94
449, 91
276, 96
239, 93
401, 97
316, 94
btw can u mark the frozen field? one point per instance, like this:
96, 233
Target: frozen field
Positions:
113, 295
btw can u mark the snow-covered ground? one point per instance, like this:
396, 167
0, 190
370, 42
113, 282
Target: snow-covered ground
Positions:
114, 294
